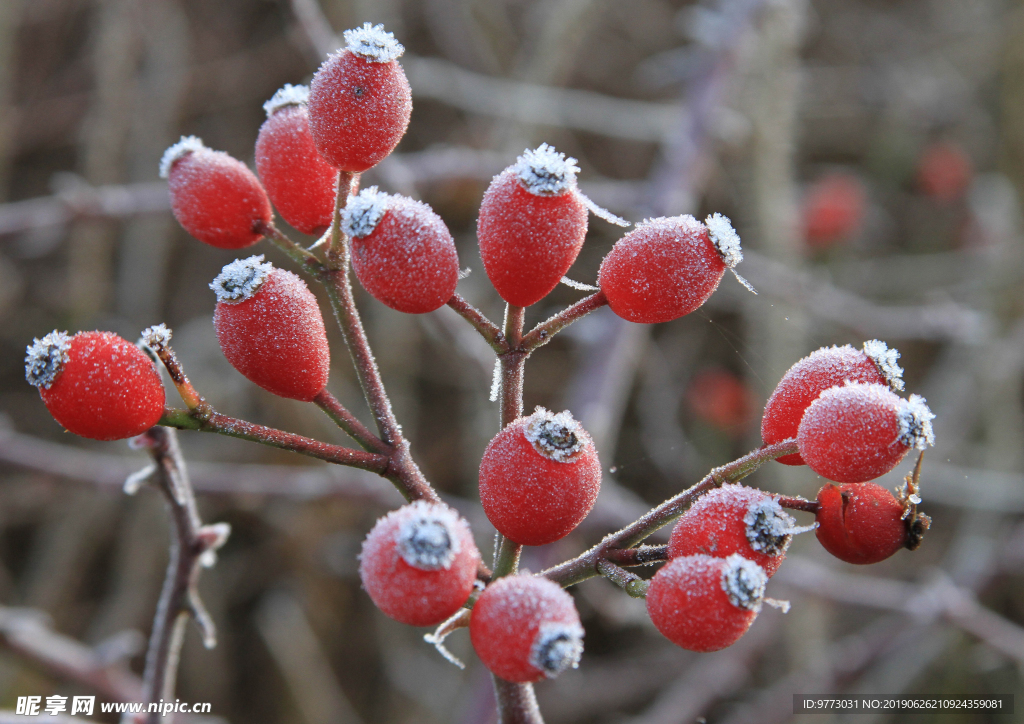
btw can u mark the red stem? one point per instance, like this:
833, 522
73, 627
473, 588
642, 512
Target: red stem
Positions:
543, 332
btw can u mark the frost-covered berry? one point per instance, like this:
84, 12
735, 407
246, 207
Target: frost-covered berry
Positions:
96, 384
360, 101
668, 267
215, 197
298, 180
735, 519
270, 328
703, 603
402, 252
858, 432
419, 563
539, 477
525, 629
860, 523
532, 224
820, 370
833, 210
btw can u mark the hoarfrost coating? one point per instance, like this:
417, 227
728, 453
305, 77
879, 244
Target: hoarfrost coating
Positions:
240, 279
885, 359
373, 43
546, 172
186, 145
45, 358
289, 95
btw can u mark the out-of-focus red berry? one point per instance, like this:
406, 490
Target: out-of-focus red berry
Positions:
720, 398
820, 370
270, 328
944, 171
298, 180
402, 252
858, 432
360, 101
668, 267
96, 384
215, 197
833, 210
860, 522
525, 629
702, 603
539, 477
735, 519
419, 563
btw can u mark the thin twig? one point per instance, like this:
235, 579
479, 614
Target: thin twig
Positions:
585, 565
487, 329
543, 332
192, 547
631, 583
349, 423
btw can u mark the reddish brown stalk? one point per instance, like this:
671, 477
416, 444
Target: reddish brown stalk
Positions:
811, 506
350, 424
487, 329
586, 565
543, 332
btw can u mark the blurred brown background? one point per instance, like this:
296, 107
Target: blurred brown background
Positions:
871, 156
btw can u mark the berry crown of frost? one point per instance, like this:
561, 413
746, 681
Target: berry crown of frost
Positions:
182, 148
289, 95
240, 279
546, 172
743, 582
885, 359
558, 437
725, 239
373, 43
557, 647
364, 211
915, 419
428, 539
46, 357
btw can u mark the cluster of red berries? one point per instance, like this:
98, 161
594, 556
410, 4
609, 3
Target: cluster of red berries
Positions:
540, 475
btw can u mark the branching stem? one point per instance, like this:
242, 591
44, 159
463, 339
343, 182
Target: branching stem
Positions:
543, 332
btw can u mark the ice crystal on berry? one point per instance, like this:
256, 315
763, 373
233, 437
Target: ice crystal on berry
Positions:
916, 423
185, 146
769, 527
556, 437
885, 359
156, 336
240, 279
289, 95
725, 239
428, 540
546, 172
557, 647
364, 212
373, 43
743, 582
46, 357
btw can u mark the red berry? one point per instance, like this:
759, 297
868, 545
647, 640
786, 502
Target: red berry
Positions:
532, 225
860, 522
668, 267
858, 432
402, 252
96, 384
539, 477
822, 369
270, 328
703, 603
833, 209
525, 629
360, 101
298, 180
735, 519
944, 172
419, 563
721, 398
215, 197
